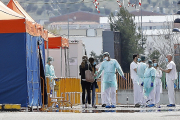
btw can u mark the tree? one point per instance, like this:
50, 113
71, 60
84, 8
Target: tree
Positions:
166, 42
130, 39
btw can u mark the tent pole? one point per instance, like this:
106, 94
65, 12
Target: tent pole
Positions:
47, 50
68, 62
65, 62
61, 61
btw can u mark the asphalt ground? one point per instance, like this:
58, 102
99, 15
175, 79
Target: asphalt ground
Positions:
100, 113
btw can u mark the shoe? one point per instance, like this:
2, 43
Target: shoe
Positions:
137, 105
113, 106
94, 106
151, 105
108, 106
83, 106
104, 105
89, 106
171, 105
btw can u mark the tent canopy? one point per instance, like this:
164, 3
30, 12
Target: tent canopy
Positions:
31, 26
15, 6
55, 42
8, 14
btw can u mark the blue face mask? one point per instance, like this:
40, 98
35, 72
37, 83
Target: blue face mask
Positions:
138, 59
104, 59
94, 63
155, 64
166, 60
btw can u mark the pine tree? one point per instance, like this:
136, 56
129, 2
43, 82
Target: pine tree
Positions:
130, 38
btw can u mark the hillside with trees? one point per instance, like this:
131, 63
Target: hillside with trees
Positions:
43, 9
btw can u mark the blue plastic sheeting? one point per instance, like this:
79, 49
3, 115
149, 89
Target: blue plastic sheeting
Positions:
13, 73
33, 70
20, 69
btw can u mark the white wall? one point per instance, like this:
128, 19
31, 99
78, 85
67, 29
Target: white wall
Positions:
76, 51
56, 54
91, 43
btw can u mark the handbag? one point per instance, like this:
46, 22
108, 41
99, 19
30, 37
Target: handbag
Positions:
89, 76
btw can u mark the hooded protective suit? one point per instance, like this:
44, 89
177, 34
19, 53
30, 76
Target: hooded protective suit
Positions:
109, 78
149, 79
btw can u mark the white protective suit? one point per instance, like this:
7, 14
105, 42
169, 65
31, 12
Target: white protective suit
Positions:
170, 78
134, 77
140, 72
158, 87
102, 93
149, 91
109, 79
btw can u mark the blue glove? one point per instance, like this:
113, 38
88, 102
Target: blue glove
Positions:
152, 84
124, 77
142, 83
175, 85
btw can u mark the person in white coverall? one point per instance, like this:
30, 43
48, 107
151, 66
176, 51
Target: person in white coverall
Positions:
109, 66
171, 76
102, 92
134, 77
158, 83
140, 72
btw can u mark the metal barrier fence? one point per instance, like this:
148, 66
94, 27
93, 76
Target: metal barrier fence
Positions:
124, 84
66, 90
128, 84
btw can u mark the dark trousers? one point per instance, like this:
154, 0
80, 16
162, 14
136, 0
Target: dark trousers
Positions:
86, 86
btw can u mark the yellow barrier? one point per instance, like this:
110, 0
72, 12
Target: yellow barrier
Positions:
68, 88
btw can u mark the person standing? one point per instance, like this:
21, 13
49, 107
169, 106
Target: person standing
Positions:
102, 92
50, 73
149, 84
109, 80
171, 76
86, 86
140, 72
94, 85
158, 83
134, 77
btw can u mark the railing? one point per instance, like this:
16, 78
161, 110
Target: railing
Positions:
124, 84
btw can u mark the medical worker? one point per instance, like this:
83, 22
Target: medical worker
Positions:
134, 77
140, 72
102, 92
149, 84
109, 79
171, 76
51, 74
158, 83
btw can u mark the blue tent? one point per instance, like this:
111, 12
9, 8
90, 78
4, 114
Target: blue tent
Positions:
22, 61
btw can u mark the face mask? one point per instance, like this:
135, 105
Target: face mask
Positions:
94, 63
51, 62
155, 64
106, 58
138, 59
166, 60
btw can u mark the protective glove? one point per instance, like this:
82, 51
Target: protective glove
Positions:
124, 77
151, 84
142, 83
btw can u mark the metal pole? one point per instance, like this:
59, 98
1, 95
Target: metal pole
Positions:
68, 23
141, 27
61, 59
47, 49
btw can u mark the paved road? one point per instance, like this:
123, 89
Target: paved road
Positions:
77, 113
88, 116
